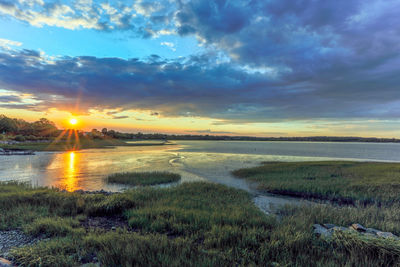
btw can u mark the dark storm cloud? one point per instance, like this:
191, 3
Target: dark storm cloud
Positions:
9, 99
194, 87
266, 61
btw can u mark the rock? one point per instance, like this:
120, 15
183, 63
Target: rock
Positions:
372, 231
321, 231
5, 263
113, 228
328, 225
340, 228
358, 227
387, 235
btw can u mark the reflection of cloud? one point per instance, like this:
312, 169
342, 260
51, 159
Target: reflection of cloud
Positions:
208, 131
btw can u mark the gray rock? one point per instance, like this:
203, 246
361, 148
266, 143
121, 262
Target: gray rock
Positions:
328, 225
5, 263
321, 231
14, 238
358, 227
372, 231
387, 235
339, 228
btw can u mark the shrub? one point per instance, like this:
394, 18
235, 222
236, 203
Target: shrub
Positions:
19, 138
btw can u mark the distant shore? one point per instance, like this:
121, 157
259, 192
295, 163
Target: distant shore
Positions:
64, 145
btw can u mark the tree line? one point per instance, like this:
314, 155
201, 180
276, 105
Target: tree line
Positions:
21, 129
45, 129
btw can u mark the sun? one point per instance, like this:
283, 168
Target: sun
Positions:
73, 121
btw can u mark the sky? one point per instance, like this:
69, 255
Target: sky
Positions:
256, 67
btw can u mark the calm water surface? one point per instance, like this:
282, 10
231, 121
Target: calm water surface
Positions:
194, 160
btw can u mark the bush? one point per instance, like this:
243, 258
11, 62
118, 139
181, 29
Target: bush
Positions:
19, 138
50, 227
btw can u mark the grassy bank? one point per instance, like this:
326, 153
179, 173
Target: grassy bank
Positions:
83, 143
196, 224
340, 181
143, 178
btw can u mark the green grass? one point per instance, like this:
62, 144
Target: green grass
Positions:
83, 143
143, 178
340, 181
193, 224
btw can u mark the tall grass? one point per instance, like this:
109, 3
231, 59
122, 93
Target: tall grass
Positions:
341, 181
194, 224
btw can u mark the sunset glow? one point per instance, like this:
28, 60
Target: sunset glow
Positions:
194, 76
73, 121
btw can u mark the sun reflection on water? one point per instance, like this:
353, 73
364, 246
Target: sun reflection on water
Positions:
69, 182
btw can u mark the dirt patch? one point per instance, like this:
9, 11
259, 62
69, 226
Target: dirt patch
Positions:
106, 223
15, 238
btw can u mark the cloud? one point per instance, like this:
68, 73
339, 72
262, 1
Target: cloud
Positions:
265, 61
8, 44
197, 86
10, 99
120, 117
169, 45
146, 19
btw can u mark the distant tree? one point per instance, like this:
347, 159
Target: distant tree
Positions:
111, 133
8, 125
44, 127
95, 134
104, 131
19, 138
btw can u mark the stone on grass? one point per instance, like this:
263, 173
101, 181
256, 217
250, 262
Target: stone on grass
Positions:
328, 225
358, 227
372, 231
387, 235
5, 263
321, 231
339, 228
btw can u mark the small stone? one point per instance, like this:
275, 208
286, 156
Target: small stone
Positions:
5, 263
339, 228
372, 231
113, 228
358, 227
386, 235
328, 225
321, 231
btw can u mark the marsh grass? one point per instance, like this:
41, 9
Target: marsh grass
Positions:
143, 178
193, 224
339, 181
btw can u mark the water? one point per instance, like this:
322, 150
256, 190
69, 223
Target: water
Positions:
194, 160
